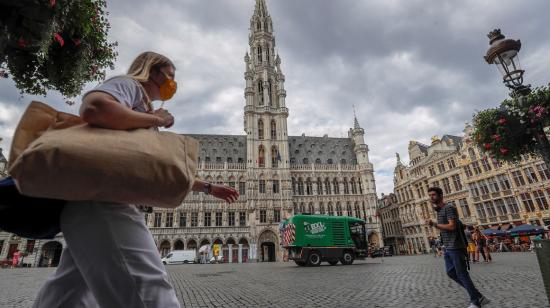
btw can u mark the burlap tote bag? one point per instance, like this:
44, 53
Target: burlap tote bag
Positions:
56, 155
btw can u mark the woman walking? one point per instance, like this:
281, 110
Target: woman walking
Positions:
480, 242
111, 259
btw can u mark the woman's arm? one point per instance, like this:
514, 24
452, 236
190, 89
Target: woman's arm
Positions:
224, 192
103, 110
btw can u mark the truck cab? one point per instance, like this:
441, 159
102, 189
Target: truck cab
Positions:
313, 239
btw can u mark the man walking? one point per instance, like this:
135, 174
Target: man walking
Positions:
455, 256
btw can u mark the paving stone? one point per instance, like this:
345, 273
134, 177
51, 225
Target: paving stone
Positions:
512, 280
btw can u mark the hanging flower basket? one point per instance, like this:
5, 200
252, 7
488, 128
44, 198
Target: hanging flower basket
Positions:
55, 45
508, 132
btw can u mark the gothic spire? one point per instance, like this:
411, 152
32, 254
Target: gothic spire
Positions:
355, 122
261, 9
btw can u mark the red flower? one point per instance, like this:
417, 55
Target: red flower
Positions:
487, 146
496, 137
52, 3
59, 39
502, 121
503, 151
22, 43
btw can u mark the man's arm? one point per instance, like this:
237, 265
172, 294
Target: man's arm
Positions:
449, 227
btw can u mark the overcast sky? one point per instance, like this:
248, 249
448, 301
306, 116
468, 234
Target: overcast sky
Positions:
412, 68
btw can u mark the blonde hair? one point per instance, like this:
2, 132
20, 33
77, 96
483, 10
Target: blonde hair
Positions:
142, 66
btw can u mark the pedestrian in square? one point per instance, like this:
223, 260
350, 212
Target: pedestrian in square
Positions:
111, 259
432, 246
471, 245
481, 244
455, 245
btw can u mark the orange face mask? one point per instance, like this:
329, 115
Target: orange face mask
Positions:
167, 89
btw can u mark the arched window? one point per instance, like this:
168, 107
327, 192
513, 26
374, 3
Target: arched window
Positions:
353, 186
302, 207
293, 186
357, 211
300, 186
342, 161
330, 209
319, 186
348, 209
260, 129
258, 25
335, 187
322, 208
260, 92
274, 157
310, 208
305, 161
327, 186
273, 130
318, 161
259, 51
346, 187
329, 161
309, 187
338, 209
261, 156
296, 209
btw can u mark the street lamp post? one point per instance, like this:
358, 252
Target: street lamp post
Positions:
504, 53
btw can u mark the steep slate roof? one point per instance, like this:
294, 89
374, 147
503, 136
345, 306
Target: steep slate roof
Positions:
323, 148
222, 147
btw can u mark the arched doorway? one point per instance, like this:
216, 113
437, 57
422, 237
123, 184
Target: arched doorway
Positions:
192, 245
217, 249
268, 243
50, 254
245, 248
234, 251
178, 245
164, 248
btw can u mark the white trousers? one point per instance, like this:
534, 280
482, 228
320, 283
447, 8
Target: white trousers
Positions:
111, 260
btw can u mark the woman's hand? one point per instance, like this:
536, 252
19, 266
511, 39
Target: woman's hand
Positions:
224, 192
166, 119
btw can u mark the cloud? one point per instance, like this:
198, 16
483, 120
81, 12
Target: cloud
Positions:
411, 68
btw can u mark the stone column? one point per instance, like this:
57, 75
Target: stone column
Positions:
240, 255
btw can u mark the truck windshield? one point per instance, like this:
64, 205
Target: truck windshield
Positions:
357, 232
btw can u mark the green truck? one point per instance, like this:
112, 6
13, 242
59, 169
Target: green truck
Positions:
312, 239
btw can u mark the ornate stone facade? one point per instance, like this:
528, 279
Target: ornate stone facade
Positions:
486, 193
277, 175
390, 221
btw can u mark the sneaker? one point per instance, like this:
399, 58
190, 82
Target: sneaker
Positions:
484, 300
472, 305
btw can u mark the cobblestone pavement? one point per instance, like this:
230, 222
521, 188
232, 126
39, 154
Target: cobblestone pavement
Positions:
512, 280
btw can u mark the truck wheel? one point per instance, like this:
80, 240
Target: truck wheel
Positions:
300, 263
333, 262
347, 258
314, 259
